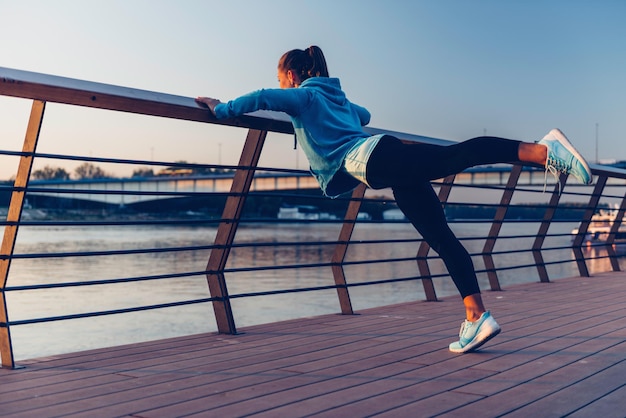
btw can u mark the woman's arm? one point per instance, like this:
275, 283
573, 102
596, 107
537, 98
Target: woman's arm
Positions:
290, 101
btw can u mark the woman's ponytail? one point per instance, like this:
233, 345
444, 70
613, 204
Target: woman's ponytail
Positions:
318, 66
306, 64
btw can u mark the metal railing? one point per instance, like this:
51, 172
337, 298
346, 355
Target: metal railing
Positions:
335, 259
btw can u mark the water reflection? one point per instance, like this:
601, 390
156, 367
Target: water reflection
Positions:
598, 258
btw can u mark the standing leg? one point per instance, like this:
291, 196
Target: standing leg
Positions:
421, 205
423, 209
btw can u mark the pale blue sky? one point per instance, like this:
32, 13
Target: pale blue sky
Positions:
444, 68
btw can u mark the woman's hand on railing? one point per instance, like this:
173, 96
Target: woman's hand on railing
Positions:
208, 102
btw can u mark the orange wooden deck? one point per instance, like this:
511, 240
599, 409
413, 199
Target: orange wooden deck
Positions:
562, 352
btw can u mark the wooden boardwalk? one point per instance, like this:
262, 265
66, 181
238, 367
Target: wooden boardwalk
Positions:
562, 352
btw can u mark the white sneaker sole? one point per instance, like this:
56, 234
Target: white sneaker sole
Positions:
560, 136
482, 337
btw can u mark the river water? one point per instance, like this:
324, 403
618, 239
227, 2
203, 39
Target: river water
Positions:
37, 340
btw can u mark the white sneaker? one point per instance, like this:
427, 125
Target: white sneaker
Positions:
563, 157
474, 334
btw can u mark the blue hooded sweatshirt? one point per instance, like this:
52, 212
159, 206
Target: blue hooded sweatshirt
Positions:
326, 123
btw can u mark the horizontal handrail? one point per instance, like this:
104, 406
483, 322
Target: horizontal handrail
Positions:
334, 258
55, 89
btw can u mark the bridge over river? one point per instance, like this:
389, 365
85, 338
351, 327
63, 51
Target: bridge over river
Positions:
128, 191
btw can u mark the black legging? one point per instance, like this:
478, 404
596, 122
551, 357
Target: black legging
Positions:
408, 170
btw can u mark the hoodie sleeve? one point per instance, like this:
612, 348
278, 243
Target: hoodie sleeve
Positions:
290, 101
364, 114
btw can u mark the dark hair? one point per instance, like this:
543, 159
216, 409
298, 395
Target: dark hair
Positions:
306, 64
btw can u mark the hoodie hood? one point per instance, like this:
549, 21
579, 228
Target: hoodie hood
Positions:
328, 87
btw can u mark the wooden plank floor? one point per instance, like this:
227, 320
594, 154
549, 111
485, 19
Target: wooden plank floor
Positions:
562, 352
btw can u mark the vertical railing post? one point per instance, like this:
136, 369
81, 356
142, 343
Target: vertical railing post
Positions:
424, 248
341, 248
543, 229
490, 242
592, 206
14, 216
227, 229
617, 222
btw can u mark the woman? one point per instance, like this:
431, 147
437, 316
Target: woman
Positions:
329, 130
